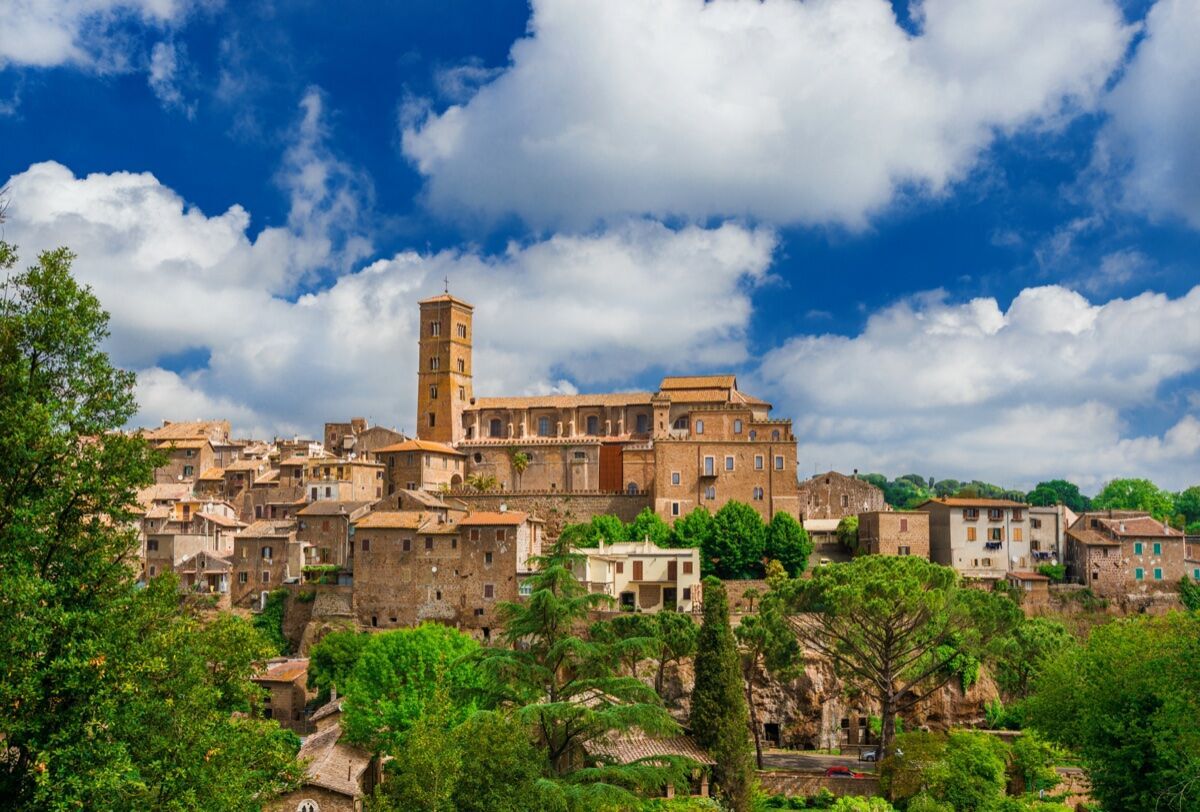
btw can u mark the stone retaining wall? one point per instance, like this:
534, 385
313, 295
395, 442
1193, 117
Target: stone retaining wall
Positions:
555, 508
809, 783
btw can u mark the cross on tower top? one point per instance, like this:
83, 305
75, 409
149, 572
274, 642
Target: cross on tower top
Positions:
446, 280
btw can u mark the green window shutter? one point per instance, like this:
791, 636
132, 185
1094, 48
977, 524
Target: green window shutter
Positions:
1196, 574
1157, 548
1139, 573
1137, 548
1157, 574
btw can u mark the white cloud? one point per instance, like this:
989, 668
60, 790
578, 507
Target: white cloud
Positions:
813, 112
85, 33
1152, 139
970, 390
166, 63
593, 309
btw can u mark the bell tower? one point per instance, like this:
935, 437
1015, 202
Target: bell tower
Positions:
444, 368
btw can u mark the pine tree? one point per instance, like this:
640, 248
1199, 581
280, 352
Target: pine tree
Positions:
719, 720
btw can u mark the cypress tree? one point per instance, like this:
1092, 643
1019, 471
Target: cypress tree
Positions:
719, 720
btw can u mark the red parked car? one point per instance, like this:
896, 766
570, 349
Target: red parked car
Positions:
842, 772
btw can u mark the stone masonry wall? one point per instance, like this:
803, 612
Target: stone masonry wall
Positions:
792, 783
554, 508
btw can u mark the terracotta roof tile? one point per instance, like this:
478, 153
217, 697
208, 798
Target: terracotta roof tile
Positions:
673, 382
419, 445
267, 527
332, 507
285, 671
634, 746
212, 474
563, 401
392, 520
953, 501
493, 518
332, 764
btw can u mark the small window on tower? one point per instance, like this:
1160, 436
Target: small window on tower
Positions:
432, 420
461, 329
435, 328
434, 363
462, 393
433, 393
462, 365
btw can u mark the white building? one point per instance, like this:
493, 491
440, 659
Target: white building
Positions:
643, 576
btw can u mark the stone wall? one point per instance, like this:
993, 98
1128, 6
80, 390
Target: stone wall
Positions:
326, 800
806, 784
305, 622
736, 592
556, 509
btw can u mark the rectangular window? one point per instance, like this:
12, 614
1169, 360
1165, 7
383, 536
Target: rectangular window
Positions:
674, 508
1157, 548
995, 534
187, 470
970, 514
737, 426
1017, 514
1035, 523
1157, 574
1017, 534
152, 545
366, 545
1138, 574
675, 478
699, 426
474, 534
243, 577
462, 365
710, 492
903, 551
1196, 574
970, 534
729, 463
687, 567
687, 593
1137, 548
526, 589
543, 427
428, 543
489, 591
710, 466
638, 573
266, 577
904, 525
432, 420
758, 462
778, 463
642, 427
406, 545
487, 559
620, 567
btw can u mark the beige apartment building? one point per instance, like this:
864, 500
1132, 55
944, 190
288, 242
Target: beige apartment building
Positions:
421, 465
697, 440
887, 532
1047, 532
343, 480
641, 576
982, 539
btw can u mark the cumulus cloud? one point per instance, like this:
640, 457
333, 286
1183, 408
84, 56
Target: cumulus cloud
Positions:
797, 112
969, 389
85, 33
1152, 140
552, 314
166, 64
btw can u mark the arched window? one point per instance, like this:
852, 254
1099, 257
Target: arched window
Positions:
632, 489
308, 805
495, 427
775, 434
681, 422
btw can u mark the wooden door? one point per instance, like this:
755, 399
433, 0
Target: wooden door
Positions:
610, 468
637, 570
672, 571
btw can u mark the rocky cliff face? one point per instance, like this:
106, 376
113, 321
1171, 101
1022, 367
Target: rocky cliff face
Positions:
817, 711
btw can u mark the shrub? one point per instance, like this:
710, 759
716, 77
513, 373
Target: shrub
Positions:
1055, 572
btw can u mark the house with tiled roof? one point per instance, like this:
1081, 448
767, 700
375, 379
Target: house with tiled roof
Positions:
1123, 552
286, 694
633, 746
984, 539
339, 777
265, 555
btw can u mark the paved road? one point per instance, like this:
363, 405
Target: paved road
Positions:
793, 760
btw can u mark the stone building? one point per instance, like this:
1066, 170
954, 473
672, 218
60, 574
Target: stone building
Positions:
357, 440
697, 440
1122, 552
261, 560
285, 684
1047, 532
421, 465
338, 776
833, 496
983, 539
887, 532
342, 480
641, 576
413, 566
323, 530
189, 447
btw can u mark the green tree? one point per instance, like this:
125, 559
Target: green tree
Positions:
501, 769
1187, 503
629, 638
735, 547
1136, 494
847, 533
520, 462
894, 626
331, 661
788, 543
425, 770
964, 769
767, 646
1032, 762
608, 529
694, 530
1059, 491
1021, 654
566, 688
649, 525
397, 676
1127, 702
1189, 594
719, 717
111, 697
269, 621
675, 636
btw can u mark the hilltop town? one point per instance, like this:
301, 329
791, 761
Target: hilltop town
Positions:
367, 529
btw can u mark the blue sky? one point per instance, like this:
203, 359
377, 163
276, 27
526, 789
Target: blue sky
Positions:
957, 238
